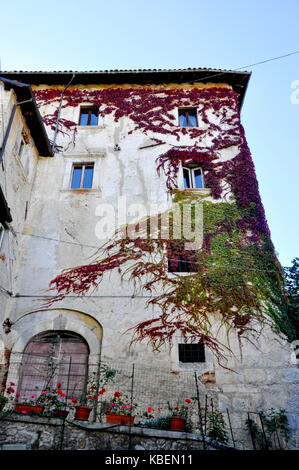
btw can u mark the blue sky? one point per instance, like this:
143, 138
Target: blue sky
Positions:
136, 34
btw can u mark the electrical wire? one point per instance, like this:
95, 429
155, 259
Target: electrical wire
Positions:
244, 67
169, 259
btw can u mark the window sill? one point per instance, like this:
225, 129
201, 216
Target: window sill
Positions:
192, 191
91, 127
179, 273
188, 127
197, 190
80, 190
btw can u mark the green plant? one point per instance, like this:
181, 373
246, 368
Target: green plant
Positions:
3, 401
275, 424
257, 434
216, 427
161, 422
181, 410
119, 405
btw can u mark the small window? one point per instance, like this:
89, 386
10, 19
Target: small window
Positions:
192, 352
21, 149
1, 234
89, 116
193, 178
181, 262
82, 176
188, 117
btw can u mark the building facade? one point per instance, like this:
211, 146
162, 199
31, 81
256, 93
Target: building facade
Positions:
128, 145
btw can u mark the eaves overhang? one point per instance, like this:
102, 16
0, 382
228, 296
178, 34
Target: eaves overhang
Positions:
237, 79
30, 113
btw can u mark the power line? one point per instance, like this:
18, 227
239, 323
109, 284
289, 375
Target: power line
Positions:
58, 240
244, 67
169, 259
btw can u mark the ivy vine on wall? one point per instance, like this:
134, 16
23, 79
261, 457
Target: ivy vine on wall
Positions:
238, 280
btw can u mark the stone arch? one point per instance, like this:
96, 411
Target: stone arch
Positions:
37, 322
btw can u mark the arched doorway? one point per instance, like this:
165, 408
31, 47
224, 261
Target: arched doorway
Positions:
51, 358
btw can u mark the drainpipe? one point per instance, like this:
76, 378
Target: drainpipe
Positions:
59, 109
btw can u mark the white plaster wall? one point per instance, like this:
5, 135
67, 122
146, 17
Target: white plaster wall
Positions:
60, 233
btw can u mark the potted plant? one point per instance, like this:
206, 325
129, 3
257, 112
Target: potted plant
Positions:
9, 396
87, 402
120, 410
158, 422
52, 403
3, 401
28, 404
179, 415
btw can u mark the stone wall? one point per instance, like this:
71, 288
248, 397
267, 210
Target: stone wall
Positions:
39, 433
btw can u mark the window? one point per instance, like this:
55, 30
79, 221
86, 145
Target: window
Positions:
181, 260
51, 358
192, 353
193, 178
82, 176
89, 116
188, 117
1, 234
21, 148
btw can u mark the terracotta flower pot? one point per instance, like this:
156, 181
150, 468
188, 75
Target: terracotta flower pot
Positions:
119, 419
23, 407
177, 423
82, 412
37, 409
61, 413
29, 409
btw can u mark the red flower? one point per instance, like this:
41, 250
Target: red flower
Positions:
12, 383
59, 385
92, 387
150, 409
63, 395
117, 394
59, 392
74, 400
177, 407
188, 400
103, 390
95, 398
107, 409
90, 397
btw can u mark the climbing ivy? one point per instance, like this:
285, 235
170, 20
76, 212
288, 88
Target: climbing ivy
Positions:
236, 277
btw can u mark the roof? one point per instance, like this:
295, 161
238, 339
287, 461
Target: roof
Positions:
30, 113
237, 79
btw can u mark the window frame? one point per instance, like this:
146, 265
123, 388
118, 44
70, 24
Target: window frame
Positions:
182, 263
83, 165
191, 171
186, 357
2, 232
90, 112
186, 111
